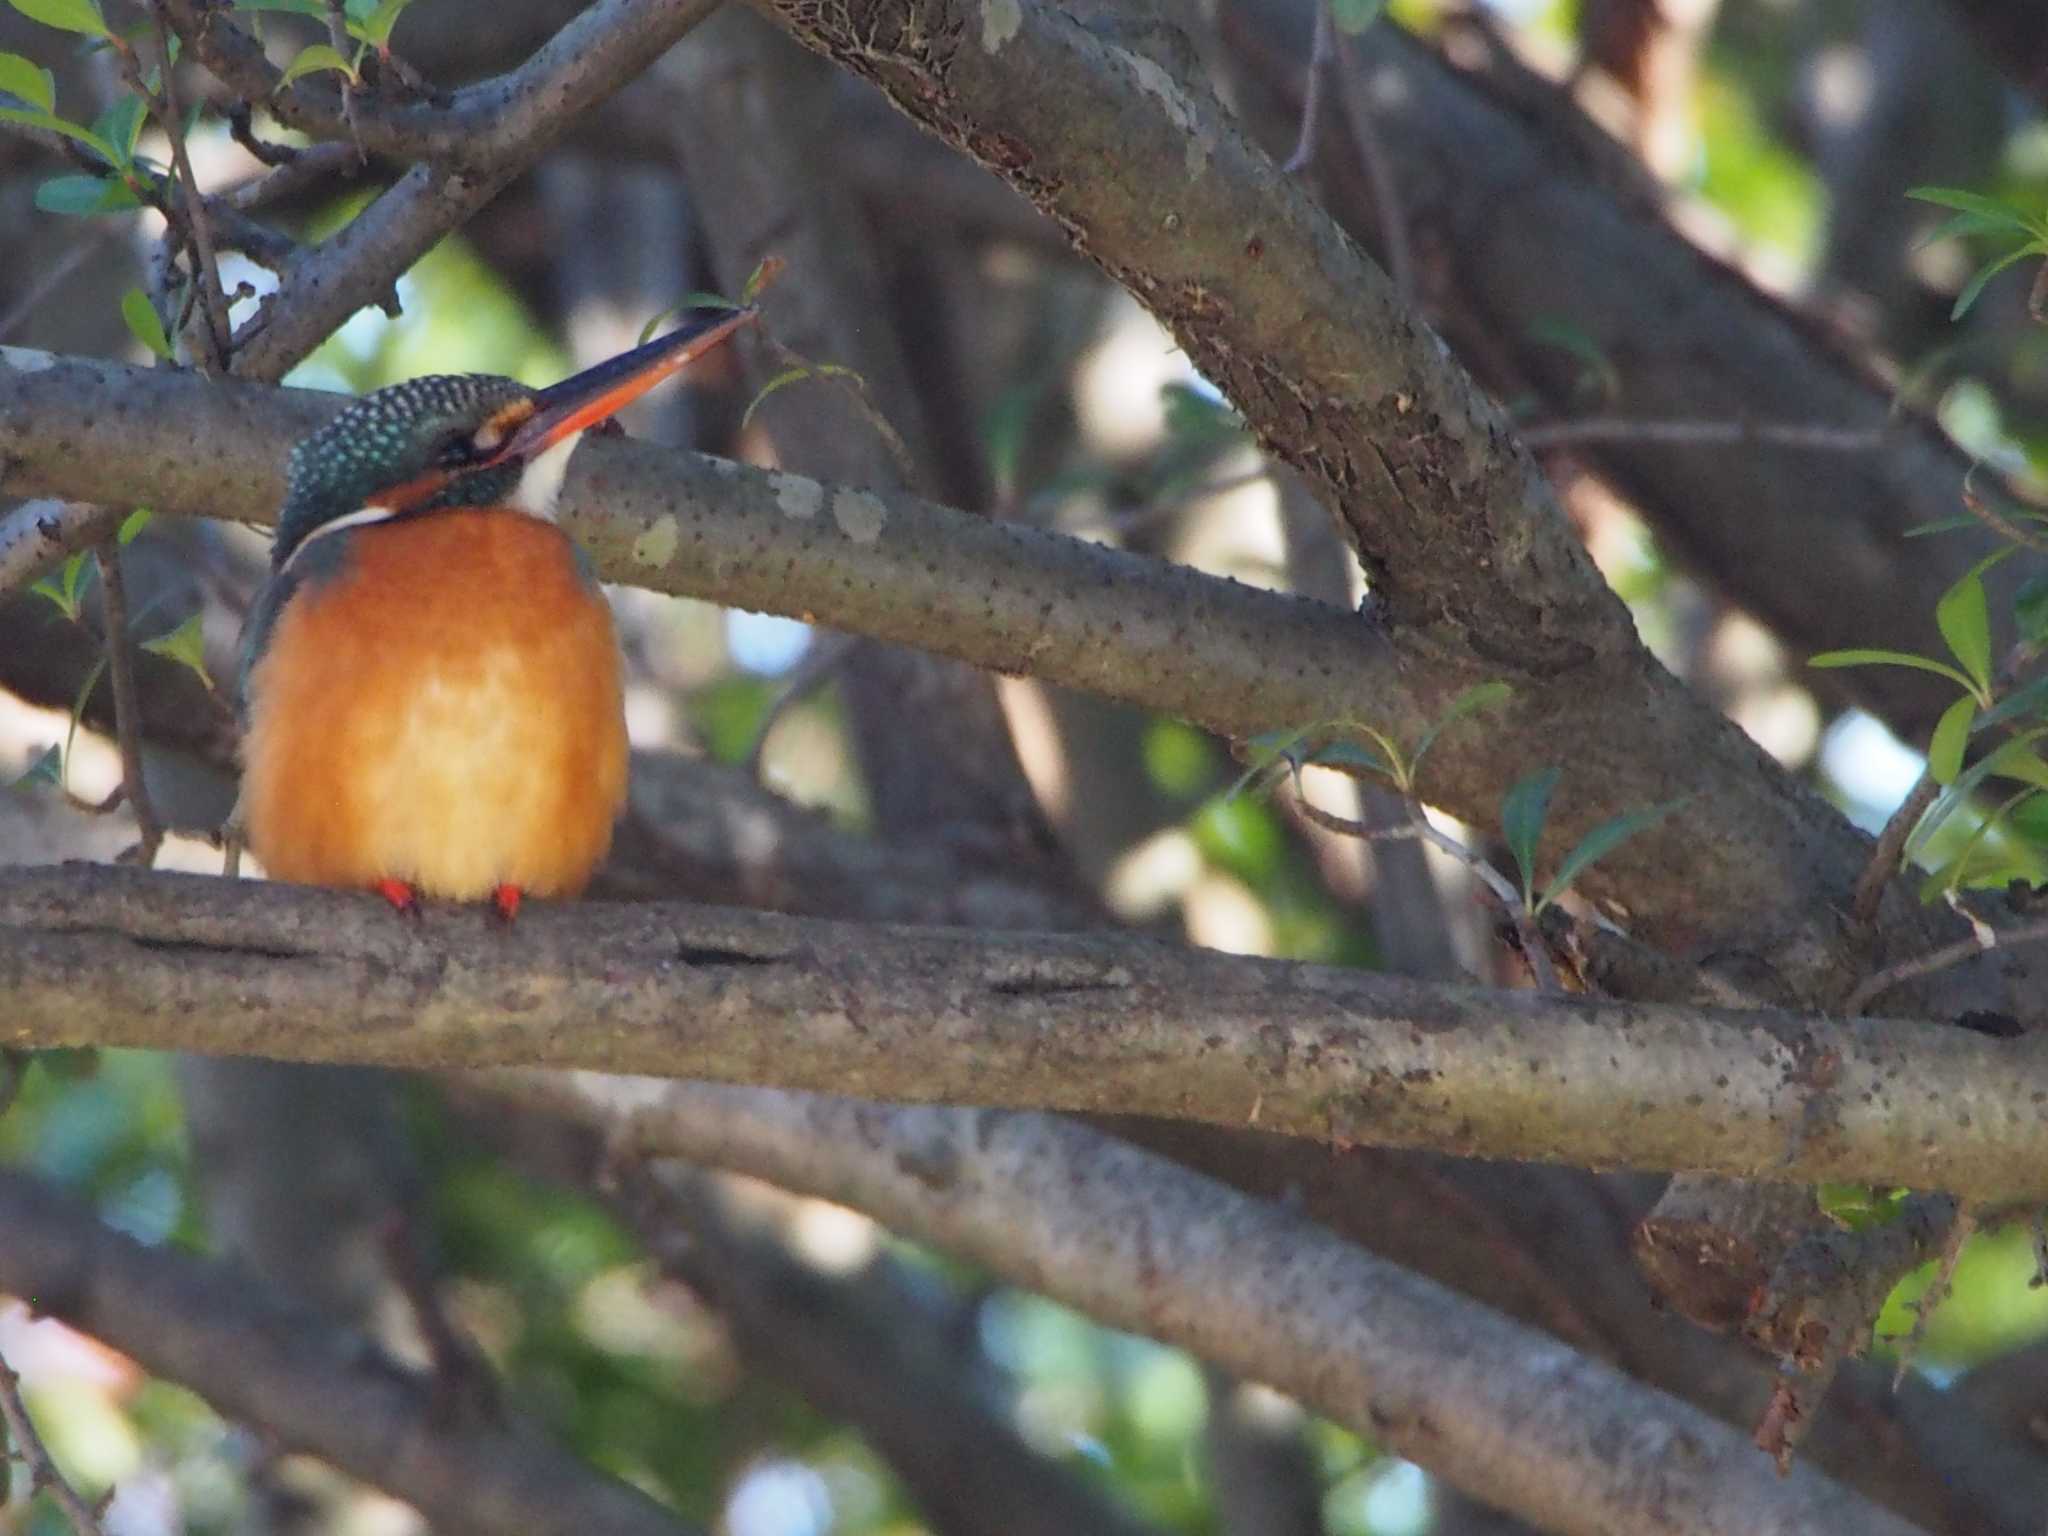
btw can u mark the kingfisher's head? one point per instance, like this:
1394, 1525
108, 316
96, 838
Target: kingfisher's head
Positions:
469, 440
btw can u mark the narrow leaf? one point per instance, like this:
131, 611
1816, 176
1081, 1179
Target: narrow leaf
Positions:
1354, 16
1600, 842
120, 126
312, 60
1951, 737
782, 380
28, 80
144, 324
63, 590
1964, 617
46, 772
1522, 815
1348, 754
2019, 702
65, 15
1965, 201
2030, 611
1962, 225
133, 524
375, 26
1869, 658
1470, 702
697, 298
53, 124
80, 195
1983, 275
2017, 761
185, 645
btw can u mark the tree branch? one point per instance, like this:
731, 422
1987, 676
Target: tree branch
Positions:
1012, 599
1143, 1244
98, 956
313, 1386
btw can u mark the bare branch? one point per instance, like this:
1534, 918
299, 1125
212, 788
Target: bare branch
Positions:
311, 1385
1083, 1022
1144, 1244
127, 710
22, 1440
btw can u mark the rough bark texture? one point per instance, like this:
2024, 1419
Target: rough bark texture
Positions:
93, 956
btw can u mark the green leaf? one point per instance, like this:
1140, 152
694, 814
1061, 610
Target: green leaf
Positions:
2030, 611
120, 126
1349, 754
79, 195
697, 298
29, 81
1983, 275
1267, 751
133, 524
312, 60
375, 21
2005, 215
1522, 815
2019, 702
1354, 16
70, 130
144, 324
1942, 525
1957, 794
186, 645
2020, 762
1870, 658
314, 8
1951, 737
1962, 226
1470, 702
1600, 842
1964, 617
66, 589
46, 772
1858, 1206
764, 270
782, 380
65, 15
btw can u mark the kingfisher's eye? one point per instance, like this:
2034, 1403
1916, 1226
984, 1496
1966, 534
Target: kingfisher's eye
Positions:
453, 450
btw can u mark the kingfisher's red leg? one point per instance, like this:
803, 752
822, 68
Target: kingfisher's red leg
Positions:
505, 901
403, 898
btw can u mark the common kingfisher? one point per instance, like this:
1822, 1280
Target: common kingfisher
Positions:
430, 684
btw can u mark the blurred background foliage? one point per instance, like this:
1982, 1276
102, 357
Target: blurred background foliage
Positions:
629, 1367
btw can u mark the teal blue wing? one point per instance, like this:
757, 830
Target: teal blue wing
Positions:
314, 563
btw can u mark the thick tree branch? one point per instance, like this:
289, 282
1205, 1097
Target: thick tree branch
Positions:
1002, 596
1147, 1245
313, 1386
96, 956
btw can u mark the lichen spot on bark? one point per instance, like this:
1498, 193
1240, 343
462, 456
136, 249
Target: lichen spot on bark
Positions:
1001, 20
656, 544
860, 515
799, 498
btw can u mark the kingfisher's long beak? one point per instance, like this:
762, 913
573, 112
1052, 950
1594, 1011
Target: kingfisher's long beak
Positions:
595, 394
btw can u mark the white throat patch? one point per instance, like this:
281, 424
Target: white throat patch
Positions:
360, 518
540, 484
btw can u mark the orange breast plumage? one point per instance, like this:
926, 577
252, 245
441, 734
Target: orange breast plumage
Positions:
445, 710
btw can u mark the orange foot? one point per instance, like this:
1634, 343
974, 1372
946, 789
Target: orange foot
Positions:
403, 898
505, 902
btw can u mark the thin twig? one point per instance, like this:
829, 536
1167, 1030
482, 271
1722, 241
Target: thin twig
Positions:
1996, 520
1397, 245
1938, 1289
1322, 53
1891, 848
856, 389
1534, 948
1941, 959
2039, 1234
198, 230
42, 1469
1622, 429
825, 655
127, 710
